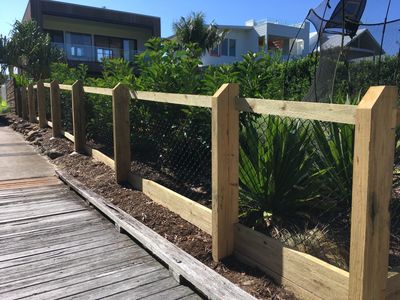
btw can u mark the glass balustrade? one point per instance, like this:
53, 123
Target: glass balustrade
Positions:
89, 53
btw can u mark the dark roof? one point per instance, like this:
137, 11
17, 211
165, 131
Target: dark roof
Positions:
37, 8
334, 41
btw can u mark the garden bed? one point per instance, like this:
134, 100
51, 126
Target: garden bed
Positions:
101, 179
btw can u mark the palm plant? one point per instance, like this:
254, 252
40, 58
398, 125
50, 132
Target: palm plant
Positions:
278, 182
335, 147
30, 50
194, 30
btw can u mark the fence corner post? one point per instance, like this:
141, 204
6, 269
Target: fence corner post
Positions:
372, 192
225, 170
31, 104
121, 131
79, 117
55, 108
41, 99
24, 103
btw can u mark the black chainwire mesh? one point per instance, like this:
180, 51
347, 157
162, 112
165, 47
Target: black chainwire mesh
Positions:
171, 144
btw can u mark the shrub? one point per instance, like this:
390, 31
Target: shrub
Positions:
278, 182
4, 106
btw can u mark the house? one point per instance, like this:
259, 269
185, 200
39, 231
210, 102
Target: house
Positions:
362, 46
257, 36
89, 34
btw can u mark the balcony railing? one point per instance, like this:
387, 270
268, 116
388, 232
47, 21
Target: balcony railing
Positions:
86, 53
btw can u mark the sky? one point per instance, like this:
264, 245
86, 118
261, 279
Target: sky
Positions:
224, 12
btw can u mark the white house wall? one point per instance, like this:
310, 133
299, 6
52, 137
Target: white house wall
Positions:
246, 40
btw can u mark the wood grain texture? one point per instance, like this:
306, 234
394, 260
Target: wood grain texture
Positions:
53, 245
18, 102
207, 281
30, 182
339, 113
393, 286
78, 117
41, 101
181, 99
372, 189
99, 156
225, 170
189, 210
55, 108
98, 90
31, 104
307, 276
122, 132
65, 87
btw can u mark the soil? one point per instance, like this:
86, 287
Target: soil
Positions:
101, 179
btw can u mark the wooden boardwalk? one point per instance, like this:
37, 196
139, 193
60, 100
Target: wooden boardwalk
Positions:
53, 246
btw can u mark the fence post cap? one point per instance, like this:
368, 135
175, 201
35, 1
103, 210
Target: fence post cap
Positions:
77, 82
120, 85
225, 87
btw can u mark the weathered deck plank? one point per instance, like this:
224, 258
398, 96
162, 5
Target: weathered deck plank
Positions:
52, 245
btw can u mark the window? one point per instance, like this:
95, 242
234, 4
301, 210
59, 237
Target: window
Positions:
129, 49
224, 47
232, 47
104, 54
79, 46
275, 44
215, 51
261, 43
56, 36
113, 47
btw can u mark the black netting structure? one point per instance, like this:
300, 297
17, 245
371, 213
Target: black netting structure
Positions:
66, 111
171, 149
48, 103
346, 44
99, 120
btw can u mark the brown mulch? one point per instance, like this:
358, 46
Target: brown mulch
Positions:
101, 179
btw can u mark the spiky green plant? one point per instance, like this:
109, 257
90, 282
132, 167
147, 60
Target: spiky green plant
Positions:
335, 147
278, 182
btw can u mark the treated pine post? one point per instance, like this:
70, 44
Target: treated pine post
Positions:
122, 133
225, 170
18, 103
372, 192
78, 116
31, 104
41, 98
24, 103
55, 108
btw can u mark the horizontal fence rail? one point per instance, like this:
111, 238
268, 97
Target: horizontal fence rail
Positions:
338, 113
311, 278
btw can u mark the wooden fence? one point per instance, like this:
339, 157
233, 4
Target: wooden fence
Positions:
11, 95
375, 120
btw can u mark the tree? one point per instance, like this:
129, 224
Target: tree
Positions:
193, 29
29, 49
